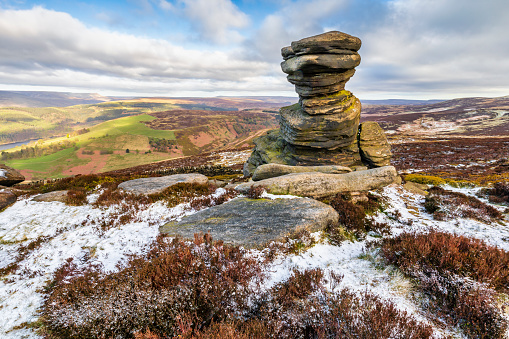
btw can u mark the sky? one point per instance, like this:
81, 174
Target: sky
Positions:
411, 49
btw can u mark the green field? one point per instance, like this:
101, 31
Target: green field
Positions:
114, 135
22, 123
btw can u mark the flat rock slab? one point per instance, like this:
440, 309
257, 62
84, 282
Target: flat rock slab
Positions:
159, 184
252, 222
276, 170
60, 196
319, 185
9, 176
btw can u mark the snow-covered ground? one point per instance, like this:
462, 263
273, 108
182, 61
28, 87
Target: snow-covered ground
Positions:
75, 232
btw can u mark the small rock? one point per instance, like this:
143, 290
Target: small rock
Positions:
276, 170
6, 198
9, 176
60, 196
415, 188
319, 185
159, 184
252, 222
217, 183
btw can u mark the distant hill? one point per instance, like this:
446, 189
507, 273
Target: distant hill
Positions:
400, 102
48, 99
451, 118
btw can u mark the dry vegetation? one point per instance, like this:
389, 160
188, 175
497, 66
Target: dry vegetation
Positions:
460, 276
203, 289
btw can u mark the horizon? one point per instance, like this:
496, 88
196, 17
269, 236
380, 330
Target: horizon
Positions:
412, 49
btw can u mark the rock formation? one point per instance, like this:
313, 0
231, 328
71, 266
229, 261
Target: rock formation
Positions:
323, 128
9, 176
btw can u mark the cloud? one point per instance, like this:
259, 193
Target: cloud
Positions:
216, 20
293, 21
444, 48
57, 49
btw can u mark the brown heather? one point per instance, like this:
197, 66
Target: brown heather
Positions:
202, 289
459, 274
198, 282
444, 205
354, 216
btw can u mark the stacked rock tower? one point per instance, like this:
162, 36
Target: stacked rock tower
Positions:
323, 128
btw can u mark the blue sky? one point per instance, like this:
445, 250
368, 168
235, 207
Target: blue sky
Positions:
413, 49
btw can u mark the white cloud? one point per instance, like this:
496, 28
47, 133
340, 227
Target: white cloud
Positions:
216, 20
293, 21
57, 49
443, 48
167, 6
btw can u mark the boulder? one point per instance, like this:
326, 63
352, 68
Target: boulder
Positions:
252, 222
416, 188
60, 196
319, 63
6, 198
320, 185
324, 42
276, 170
9, 176
159, 184
373, 145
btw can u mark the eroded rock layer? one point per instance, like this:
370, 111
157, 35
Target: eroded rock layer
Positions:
323, 128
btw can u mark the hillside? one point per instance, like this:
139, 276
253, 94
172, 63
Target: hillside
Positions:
48, 99
452, 118
74, 263
19, 124
140, 139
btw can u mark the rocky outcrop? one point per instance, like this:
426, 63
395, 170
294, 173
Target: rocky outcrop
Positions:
9, 176
320, 185
60, 196
374, 148
252, 222
6, 198
323, 128
159, 184
276, 170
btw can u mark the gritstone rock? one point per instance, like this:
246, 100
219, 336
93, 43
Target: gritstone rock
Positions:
9, 176
6, 198
373, 145
323, 128
159, 184
60, 196
276, 170
252, 222
320, 185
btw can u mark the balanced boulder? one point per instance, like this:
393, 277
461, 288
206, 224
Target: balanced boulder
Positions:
9, 176
323, 127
